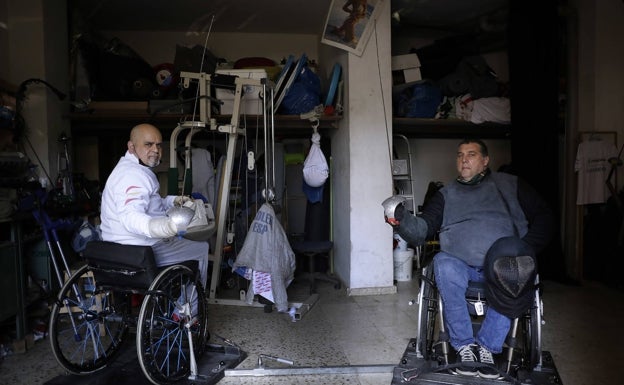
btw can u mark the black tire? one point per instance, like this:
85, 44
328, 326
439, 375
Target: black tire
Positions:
532, 338
162, 342
428, 304
87, 325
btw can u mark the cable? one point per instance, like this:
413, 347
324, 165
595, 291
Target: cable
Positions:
39, 160
383, 100
201, 65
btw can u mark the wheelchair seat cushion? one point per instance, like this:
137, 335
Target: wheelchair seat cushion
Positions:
120, 265
510, 270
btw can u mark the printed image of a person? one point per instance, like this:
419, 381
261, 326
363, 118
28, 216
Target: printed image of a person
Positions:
357, 11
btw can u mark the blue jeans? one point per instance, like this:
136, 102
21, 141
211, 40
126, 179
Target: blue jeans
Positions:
452, 276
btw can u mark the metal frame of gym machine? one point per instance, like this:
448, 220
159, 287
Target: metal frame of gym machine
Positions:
232, 131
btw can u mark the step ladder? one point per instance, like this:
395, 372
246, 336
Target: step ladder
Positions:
402, 179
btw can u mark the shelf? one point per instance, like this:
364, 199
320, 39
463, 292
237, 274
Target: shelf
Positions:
111, 123
449, 128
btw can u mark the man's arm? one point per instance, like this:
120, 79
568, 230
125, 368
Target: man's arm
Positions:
538, 214
131, 206
415, 229
433, 212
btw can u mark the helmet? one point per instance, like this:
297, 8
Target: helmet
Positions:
181, 216
510, 270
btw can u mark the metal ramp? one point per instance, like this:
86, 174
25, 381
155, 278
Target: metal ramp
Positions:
418, 371
125, 369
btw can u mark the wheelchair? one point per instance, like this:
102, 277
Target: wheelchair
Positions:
430, 358
93, 315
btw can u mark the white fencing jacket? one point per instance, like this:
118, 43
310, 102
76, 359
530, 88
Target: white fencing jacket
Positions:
130, 199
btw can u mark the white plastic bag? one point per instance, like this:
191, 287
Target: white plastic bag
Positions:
199, 218
315, 168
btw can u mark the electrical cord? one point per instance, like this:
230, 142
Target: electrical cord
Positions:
383, 99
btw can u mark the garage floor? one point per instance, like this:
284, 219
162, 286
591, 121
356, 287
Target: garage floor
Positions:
582, 331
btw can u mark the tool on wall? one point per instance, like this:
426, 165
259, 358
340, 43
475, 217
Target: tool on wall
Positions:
64, 181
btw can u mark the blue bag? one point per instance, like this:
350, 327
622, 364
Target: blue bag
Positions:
303, 95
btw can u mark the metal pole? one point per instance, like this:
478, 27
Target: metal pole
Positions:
293, 371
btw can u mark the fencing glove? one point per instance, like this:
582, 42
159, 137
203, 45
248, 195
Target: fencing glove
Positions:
162, 227
181, 200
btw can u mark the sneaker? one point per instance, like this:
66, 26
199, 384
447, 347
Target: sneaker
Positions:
466, 358
489, 370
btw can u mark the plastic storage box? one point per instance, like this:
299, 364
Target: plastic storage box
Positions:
251, 103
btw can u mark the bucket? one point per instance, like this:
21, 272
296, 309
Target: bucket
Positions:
403, 264
401, 243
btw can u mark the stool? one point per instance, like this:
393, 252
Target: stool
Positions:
312, 250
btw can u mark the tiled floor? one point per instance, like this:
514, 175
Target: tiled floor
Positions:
582, 331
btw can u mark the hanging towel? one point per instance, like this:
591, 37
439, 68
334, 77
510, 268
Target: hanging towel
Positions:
592, 166
203, 174
266, 249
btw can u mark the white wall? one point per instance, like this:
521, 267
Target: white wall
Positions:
370, 127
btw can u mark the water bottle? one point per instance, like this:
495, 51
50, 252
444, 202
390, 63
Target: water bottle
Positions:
89, 284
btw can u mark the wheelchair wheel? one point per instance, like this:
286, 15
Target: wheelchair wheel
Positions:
163, 344
532, 337
87, 325
428, 309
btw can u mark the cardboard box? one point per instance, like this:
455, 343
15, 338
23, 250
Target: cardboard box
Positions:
409, 65
402, 62
250, 102
23, 345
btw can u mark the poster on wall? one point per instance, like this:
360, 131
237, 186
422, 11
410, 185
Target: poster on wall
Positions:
350, 23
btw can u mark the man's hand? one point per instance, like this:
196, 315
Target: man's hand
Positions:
181, 200
394, 209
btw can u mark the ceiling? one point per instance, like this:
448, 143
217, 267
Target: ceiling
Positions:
276, 16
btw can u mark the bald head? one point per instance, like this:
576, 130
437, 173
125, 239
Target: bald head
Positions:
146, 144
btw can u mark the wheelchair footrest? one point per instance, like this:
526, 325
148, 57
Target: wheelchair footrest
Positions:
212, 365
125, 369
416, 370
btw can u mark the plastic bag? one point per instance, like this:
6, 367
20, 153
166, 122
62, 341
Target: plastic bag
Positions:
86, 233
315, 168
418, 100
303, 95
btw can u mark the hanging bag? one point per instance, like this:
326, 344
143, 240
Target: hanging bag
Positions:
315, 168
